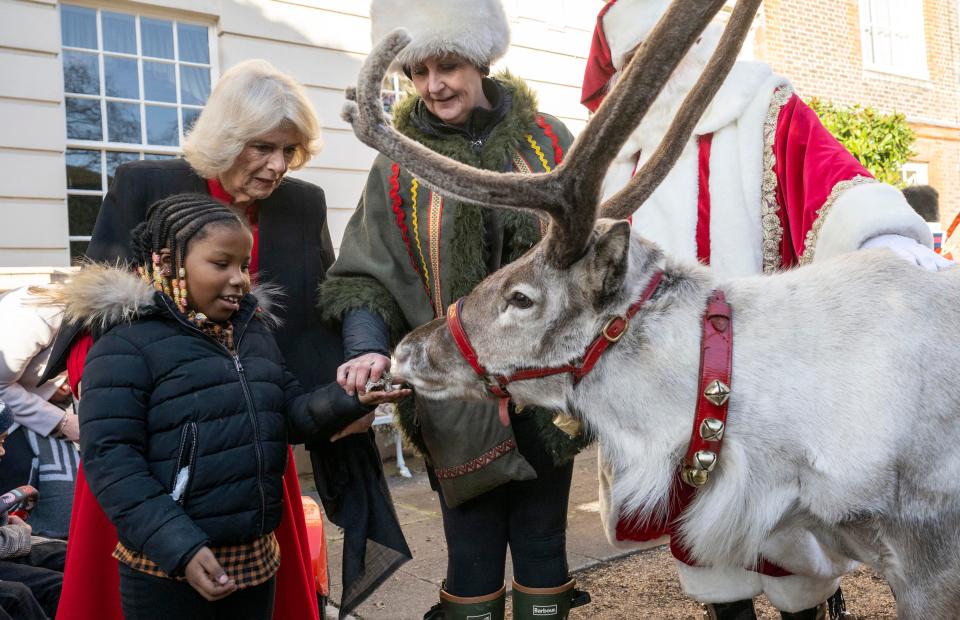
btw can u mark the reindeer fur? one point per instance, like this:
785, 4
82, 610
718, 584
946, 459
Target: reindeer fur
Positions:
843, 418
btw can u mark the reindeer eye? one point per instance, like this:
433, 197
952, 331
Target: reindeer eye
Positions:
520, 300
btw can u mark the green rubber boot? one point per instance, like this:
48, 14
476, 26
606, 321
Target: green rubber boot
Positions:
542, 603
487, 607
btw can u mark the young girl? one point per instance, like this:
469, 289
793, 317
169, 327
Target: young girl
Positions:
186, 414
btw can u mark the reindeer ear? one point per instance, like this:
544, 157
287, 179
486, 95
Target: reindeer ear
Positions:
608, 261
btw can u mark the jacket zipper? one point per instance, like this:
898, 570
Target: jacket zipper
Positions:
256, 434
251, 411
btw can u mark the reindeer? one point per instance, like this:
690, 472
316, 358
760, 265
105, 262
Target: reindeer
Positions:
842, 415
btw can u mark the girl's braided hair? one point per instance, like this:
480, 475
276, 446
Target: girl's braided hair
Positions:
172, 223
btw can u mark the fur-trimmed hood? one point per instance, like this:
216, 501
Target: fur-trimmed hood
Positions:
101, 296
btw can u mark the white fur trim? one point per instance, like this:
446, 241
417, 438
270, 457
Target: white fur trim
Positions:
860, 212
474, 29
627, 23
718, 585
796, 592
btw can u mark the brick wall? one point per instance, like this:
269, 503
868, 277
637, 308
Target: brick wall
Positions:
817, 45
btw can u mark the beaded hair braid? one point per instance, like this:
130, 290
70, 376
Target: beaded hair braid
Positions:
172, 223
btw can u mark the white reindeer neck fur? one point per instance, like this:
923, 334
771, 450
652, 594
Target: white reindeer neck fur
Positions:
640, 400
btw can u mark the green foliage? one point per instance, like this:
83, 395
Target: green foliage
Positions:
880, 141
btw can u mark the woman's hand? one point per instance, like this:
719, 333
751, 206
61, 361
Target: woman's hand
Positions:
70, 428
354, 374
207, 577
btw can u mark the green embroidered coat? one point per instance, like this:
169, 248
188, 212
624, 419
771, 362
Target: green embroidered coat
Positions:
406, 254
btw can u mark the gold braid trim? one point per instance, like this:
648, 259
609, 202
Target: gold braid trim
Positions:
435, 217
813, 235
446, 473
416, 230
769, 209
539, 152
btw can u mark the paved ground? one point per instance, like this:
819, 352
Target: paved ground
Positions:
413, 588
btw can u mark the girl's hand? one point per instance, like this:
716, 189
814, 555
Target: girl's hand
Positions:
357, 426
354, 374
378, 397
207, 577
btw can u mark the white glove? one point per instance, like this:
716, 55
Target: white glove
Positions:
909, 250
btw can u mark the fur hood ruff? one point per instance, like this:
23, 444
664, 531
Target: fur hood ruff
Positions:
101, 296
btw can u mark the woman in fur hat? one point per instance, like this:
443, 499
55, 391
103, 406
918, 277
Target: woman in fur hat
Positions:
408, 252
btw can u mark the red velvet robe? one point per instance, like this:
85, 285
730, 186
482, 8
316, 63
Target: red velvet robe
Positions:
91, 583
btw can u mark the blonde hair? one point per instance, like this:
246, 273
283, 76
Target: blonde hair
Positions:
249, 100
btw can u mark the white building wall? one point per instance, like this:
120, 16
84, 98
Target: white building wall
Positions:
33, 211
321, 43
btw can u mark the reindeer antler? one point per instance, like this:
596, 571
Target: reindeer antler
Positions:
622, 204
570, 193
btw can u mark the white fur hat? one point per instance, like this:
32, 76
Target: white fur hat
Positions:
474, 29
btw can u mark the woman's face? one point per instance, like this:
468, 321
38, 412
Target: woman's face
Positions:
450, 87
217, 267
260, 166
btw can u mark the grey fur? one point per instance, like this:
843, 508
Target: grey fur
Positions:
101, 296
844, 418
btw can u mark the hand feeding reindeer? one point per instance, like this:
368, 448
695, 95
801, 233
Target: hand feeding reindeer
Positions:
838, 427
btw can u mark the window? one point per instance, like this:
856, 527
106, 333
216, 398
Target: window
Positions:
892, 37
133, 86
915, 173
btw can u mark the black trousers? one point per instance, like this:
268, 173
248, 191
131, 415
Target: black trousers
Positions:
41, 572
145, 597
529, 516
18, 603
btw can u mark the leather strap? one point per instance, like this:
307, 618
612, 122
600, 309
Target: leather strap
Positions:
716, 362
612, 331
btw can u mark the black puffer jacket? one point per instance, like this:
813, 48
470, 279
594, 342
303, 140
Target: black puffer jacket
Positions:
162, 398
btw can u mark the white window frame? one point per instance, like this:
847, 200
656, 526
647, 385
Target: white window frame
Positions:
915, 173
904, 33
143, 150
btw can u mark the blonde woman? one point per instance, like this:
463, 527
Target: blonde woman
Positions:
257, 126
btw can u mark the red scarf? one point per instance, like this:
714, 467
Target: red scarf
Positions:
91, 583
253, 218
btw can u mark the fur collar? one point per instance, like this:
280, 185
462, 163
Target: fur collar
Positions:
101, 296
742, 86
468, 256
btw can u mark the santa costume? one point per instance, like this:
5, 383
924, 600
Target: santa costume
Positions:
761, 186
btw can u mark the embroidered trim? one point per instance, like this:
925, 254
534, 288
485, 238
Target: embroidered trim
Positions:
446, 473
539, 152
554, 140
521, 166
769, 209
813, 235
435, 218
416, 229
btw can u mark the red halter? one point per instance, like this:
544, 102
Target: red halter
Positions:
612, 331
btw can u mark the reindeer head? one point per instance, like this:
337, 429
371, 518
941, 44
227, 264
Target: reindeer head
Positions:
543, 309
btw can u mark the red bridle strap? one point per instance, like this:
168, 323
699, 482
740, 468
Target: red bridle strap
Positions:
612, 331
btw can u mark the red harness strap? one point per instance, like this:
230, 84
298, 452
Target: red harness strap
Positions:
612, 331
716, 366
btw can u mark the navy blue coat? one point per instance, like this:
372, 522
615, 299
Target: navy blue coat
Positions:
160, 396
